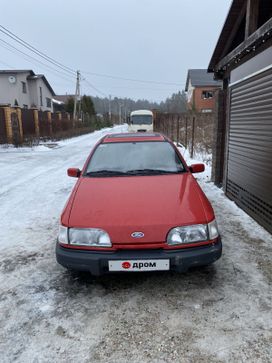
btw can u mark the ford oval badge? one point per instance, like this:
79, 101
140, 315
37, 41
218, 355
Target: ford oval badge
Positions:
137, 234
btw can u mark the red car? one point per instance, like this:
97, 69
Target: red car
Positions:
137, 207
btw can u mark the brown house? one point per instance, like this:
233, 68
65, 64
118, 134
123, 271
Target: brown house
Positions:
243, 60
200, 88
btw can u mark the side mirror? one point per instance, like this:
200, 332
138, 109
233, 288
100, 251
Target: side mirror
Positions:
197, 168
73, 172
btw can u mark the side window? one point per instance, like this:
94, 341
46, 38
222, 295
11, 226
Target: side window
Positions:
41, 97
48, 102
24, 87
207, 95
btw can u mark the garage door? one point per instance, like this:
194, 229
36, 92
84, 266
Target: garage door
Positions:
249, 174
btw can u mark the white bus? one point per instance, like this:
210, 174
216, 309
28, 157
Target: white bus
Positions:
141, 121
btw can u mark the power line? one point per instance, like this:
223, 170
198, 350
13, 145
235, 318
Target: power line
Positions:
6, 64
35, 50
49, 69
14, 49
93, 87
64, 68
42, 55
132, 79
143, 88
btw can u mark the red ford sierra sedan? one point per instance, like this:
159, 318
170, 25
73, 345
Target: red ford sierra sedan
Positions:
137, 207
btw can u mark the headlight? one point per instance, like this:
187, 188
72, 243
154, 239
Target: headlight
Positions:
194, 233
89, 237
188, 234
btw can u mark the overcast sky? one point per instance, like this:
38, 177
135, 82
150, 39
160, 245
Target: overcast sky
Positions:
150, 40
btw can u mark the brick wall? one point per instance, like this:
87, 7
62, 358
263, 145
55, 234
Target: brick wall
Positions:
198, 103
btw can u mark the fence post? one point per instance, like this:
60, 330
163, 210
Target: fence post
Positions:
193, 139
19, 115
178, 129
49, 119
7, 115
36, 122
59, 115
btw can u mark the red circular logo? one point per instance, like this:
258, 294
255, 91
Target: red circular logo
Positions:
126, 265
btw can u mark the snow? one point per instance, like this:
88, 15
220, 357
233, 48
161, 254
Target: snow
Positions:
57, 101
206, 159
34, 186
221, 313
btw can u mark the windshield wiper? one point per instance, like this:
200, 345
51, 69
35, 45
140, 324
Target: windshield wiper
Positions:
152, 171
102, 173
105, 173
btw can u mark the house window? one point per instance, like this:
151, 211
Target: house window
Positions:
23, 87
48, 102
207, 95
206, 110
41, 102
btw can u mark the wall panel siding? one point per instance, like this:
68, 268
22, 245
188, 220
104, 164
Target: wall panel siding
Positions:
249, 175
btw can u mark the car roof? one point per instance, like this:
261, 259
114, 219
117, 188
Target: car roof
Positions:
134, 137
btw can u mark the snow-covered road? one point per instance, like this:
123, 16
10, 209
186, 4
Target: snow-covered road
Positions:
221, 313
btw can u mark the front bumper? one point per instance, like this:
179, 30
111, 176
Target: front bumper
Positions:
96, 262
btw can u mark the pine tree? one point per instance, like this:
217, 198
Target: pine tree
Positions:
69, 105
87, 105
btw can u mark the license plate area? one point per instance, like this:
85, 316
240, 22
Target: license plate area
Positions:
139, 265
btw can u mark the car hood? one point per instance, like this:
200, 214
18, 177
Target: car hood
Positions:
149, 204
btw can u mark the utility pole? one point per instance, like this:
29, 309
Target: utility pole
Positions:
77, 95
193, 139
125, 112
186, 132
120, 113
110, 108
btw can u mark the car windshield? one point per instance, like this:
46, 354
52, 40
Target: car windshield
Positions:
141, 120
134, 158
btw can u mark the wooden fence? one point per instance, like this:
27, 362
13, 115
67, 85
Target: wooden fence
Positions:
18, 126
193, 130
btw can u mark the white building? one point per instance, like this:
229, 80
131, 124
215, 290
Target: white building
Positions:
25, 89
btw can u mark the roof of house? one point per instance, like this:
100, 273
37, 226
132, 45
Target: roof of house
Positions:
57, 102
234, 11
230, 28
200, 77
41, 76
64, 98
14, 71
31, 76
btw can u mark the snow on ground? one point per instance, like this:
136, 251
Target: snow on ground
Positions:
221, 313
